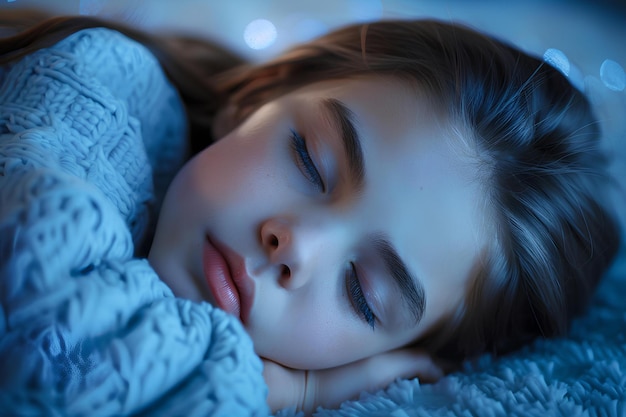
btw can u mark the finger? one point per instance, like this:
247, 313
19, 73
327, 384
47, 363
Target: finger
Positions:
286, 387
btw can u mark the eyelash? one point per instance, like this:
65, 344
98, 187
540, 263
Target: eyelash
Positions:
358, 299
298, 145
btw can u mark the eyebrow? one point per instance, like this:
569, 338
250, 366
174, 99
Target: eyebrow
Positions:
410, 287
343, 119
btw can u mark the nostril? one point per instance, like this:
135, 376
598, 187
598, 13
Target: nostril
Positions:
285, 272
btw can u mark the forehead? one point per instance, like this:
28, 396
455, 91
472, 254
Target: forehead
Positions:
423, 187
407, 141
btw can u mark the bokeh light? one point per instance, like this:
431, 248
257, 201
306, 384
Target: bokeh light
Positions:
612, 75
558, 60
260, 34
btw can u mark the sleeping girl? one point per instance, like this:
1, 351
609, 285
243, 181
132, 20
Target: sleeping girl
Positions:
383, 202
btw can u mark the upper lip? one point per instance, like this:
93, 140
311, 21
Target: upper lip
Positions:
241, 279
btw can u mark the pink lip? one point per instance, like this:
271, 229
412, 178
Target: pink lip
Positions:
225, 272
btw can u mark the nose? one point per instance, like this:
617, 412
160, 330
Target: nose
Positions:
285, 255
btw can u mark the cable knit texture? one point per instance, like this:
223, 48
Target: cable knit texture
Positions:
91, 133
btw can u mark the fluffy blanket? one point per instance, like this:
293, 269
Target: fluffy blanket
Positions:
90, 134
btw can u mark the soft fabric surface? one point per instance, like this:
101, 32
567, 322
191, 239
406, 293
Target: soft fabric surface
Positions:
90, 134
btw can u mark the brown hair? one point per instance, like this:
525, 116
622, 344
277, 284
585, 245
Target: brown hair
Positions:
535, 132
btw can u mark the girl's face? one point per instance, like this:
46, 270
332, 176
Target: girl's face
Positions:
338, 221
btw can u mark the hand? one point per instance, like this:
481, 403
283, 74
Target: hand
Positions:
330, 387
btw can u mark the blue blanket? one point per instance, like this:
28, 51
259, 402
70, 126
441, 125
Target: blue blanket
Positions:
91, 132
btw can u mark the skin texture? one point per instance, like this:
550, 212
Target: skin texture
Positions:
294, 241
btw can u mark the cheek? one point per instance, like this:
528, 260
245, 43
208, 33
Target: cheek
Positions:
241, 170
302, 334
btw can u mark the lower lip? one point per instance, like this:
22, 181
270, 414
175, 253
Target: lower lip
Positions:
220, 282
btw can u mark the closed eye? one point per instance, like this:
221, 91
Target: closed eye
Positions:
305, 162
359, 302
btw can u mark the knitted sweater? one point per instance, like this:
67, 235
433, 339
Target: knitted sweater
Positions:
91, 133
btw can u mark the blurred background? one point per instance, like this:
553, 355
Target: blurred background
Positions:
585, 39
586, 31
